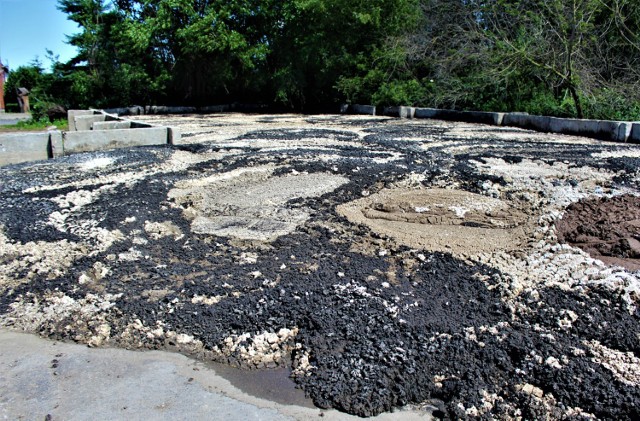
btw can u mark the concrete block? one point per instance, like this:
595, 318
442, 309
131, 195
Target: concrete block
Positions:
599, 129
137, 110
344, 108
85, 122
161, 109
425, 113
480, 117
72, 114
56, 144
173, 135
624, 131
23, 147
75, 142
111, 125
215, 108
526, 121
634, 137
401, 111
116, 111
140, 124
363, 109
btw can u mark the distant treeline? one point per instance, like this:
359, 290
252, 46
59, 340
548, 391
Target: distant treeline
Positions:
577, 58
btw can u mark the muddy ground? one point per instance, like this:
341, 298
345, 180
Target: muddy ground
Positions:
386, 262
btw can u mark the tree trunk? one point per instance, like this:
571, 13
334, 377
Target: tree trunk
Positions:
576, 100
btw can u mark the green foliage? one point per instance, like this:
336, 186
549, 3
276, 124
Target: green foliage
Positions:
548, 57
36, 124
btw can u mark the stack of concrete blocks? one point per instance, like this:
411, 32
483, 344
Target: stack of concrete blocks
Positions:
89, 130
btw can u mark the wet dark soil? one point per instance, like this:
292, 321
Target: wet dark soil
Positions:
606, 228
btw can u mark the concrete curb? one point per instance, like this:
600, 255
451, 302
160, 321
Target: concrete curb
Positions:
362, 109
481, 117
401, 112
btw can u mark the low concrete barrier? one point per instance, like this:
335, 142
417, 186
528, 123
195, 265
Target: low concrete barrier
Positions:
111, 125
75, 142
85, 122
401, 112
215, 108
481, 117
16, 148
161, 109
616, 131
56, 144
634, 136
72, 114
363, 109
526, 121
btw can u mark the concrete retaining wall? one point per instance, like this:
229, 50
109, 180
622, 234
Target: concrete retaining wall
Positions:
481, 117
362, 109
111, 125
75, 142
24, 147
401, 112
72, 114
157, 109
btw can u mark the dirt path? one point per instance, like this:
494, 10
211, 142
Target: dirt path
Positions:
385, 262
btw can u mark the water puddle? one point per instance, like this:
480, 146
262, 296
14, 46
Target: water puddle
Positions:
273, 385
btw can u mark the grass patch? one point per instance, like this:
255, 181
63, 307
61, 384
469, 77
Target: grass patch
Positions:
33, 125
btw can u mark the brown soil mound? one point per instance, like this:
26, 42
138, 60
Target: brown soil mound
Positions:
606, 228
446, 220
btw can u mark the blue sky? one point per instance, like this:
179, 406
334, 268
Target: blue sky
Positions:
29, 27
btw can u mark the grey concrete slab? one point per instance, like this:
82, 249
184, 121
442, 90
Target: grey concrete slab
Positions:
72, 114
140, 124
42, 379
598, 129
85, 122
481, 117
117, 111
173, 135
401, 112
23, 147
111, 125
363, 109
75, 142
526, 121
425, 112
56, 144
157, 109
13, 118
634, 136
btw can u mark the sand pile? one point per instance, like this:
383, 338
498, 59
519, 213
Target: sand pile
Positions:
446, 220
